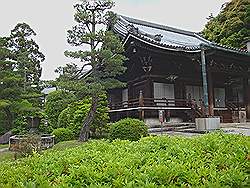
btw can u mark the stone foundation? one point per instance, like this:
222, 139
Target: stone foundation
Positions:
154, 122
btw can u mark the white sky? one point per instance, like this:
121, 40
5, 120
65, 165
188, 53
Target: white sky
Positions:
51, 19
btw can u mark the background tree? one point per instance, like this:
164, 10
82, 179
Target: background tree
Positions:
100, 57
232, 26
19, 70
27, 54
10, 84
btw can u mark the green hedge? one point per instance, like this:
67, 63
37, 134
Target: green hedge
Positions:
128, 129
63, 134
213, 160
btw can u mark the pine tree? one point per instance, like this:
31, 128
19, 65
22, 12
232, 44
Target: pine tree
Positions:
20, 73
26, 53
101, 55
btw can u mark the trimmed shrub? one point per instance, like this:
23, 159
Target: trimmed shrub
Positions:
128, 129
63, 134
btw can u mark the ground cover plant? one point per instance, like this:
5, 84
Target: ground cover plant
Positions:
11, 156
213, 160
6, 155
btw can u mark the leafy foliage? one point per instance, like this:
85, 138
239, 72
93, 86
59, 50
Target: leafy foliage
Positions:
232, 26
213, 160
56, 102
63, 134
2, 122
73, 116
24, 110
20, 72
10, 88
27, 54
128, 129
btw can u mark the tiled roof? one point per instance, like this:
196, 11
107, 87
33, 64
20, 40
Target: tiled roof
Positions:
165, 36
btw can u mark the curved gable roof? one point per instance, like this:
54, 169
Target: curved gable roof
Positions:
165, 36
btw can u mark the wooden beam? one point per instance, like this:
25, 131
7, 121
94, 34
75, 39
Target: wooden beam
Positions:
150, 108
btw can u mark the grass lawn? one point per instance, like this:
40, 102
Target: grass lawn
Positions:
212, 160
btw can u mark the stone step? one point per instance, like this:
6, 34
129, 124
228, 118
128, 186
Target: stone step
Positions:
173, 125
172, 128
174, 133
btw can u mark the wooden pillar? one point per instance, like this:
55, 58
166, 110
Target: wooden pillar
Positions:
248, 103
148, 93
151, 86
141, 104
204, 81
130, 91
178, 90
210, 93
246, 89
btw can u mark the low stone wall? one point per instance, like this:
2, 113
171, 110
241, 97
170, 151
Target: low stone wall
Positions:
37, 142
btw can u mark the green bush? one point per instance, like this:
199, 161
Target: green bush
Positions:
56, 102
128, 129
213, 160
73, 116
63, 134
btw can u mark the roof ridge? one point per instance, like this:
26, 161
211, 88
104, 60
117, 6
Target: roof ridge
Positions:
158, 26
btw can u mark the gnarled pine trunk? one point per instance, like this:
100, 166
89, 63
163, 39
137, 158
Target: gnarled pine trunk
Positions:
85, 130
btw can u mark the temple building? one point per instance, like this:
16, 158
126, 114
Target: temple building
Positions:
179, 73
